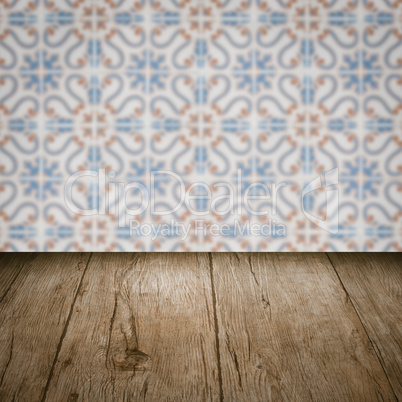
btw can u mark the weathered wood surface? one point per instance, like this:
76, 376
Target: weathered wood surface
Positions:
164, 327
11, 265
374, 283
142, 328
287, 331
33, 315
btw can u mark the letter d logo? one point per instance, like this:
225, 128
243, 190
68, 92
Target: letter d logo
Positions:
331, 221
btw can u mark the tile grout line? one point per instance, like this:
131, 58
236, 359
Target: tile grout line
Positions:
306, 73
254, 94
92, 71
201, 83
216, 327
360, 132
148, 116
194, 72
60, 344
344, 178
373, 345
41, 120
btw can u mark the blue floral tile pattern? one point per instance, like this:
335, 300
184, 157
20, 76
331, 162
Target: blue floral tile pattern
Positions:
156, 99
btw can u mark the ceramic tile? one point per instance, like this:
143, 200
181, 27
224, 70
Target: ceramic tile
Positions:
300, 93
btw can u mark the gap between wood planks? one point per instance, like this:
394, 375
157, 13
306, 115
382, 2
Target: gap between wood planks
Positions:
218, 354
372, 343
364, 327
216, 323
65, 329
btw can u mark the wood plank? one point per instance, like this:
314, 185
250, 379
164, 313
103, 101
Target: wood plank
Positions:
143, 329
374, 284
33, 315
287, 331
11, 265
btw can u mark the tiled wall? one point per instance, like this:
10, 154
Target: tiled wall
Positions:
282, 90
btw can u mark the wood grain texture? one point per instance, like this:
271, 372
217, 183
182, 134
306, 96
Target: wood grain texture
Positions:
287, 331
33, 315
142, 329
11, 265
374, 284
192, 326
